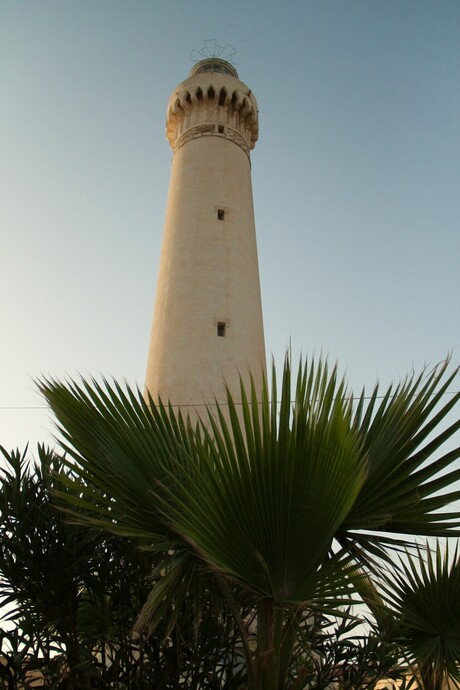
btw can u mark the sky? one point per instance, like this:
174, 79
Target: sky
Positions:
356, 182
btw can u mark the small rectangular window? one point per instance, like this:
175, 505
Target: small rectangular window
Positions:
221, 329
220, 214
220, 129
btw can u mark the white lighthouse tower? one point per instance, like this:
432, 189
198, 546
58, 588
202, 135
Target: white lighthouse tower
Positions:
207, 326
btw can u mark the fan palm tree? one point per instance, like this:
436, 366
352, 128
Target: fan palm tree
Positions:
278, 504
424, 594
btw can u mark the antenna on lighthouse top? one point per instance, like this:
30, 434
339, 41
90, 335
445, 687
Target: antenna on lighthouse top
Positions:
214, 58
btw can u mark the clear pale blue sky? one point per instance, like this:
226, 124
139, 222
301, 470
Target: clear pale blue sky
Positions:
356, 181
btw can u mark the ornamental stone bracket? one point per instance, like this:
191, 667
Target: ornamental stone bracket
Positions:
212, 104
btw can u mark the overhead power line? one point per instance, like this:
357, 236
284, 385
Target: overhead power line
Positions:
45, 407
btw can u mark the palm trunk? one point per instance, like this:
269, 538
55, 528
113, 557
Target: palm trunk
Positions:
275, 640
432, 676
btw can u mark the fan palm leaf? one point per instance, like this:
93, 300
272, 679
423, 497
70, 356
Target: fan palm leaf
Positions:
425, 596
410, 477
260, 492
258, 501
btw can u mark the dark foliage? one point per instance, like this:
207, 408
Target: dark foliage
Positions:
73, 594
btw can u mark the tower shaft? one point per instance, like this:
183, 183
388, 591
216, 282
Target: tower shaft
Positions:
207, 327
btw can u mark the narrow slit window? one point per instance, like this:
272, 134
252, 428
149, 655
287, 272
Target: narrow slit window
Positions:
220, 214
221, 329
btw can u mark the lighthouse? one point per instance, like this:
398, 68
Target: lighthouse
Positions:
207, 329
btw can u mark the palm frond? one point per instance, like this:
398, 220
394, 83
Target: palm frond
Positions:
408, 473
259, 491
425, 594
260, 500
